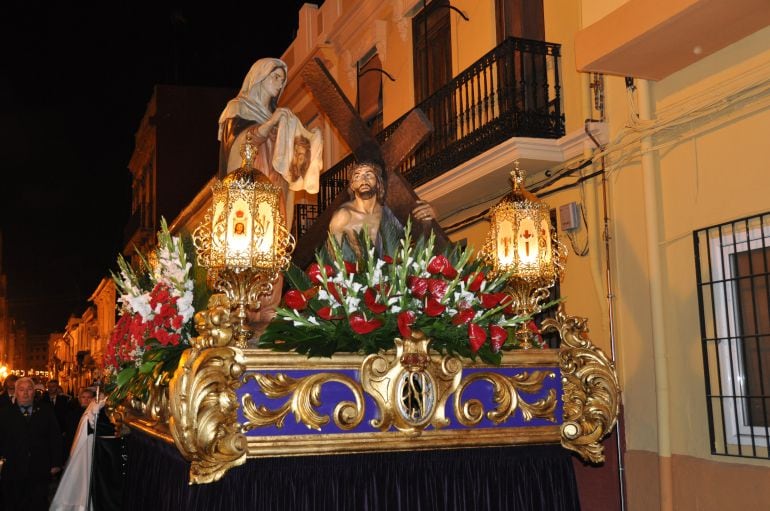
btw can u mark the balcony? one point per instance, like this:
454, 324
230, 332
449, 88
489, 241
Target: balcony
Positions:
512, 91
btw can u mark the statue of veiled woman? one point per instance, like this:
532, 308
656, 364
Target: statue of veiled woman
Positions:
288, 154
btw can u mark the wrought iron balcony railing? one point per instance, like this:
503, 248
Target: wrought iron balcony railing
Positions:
512, 91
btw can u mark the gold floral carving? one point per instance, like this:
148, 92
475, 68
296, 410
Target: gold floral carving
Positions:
591, 389
202, 400
305, 397
411, 388
506, 396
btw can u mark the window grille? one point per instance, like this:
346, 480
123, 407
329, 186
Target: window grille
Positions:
733, 267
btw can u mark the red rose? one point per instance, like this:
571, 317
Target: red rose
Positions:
405, 320
360, 325
387, 259
440, 265
476, 336
497, 337
295, 300
434, 308
371, 302
418, 286
350, 267
437, 288
463, 317
475, 284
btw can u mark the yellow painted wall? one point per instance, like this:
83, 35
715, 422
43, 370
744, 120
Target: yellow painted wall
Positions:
562, 20
715, 170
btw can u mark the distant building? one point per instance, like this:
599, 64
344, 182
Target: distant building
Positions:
176, 154
36, 362
104, 298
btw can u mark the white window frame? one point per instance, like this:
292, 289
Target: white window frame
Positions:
722, 247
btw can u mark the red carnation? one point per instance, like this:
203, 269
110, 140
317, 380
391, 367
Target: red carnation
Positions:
405, 321
326, 313
497, 337
475, 284
440, 265
490, 300
476, 336
370, 300
437, 288
418, 286
434, 308
532, 326
314, 272
360, 325
463, 317
295, 300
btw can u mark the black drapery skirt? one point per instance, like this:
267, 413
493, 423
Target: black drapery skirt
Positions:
505, 478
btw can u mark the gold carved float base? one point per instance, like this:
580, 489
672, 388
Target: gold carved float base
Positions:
226, 404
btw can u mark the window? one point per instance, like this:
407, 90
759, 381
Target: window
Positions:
517, 18
369, 99
431, 40
733, 272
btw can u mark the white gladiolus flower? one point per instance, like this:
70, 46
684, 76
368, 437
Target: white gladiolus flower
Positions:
352, 303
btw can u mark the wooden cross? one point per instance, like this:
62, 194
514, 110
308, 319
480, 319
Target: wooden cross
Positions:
399, 196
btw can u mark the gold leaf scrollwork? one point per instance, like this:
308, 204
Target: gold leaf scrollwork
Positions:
506, 396
304, 397
410, 388
202, 399
591, 388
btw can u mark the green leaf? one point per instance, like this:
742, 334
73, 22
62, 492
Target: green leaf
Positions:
147, 367
125, 375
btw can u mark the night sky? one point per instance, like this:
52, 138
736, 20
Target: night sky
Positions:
74, 85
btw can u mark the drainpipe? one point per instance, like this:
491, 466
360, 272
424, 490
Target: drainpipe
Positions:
655, 261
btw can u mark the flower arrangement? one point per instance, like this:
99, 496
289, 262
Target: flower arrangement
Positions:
344, 305
156, 311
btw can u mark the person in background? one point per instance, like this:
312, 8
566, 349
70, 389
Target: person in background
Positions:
31, 443
59, 401
7, 397
74, 413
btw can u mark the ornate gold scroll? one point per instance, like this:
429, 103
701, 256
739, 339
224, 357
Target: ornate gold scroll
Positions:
305, 398
202, 400
591, 388
506, 396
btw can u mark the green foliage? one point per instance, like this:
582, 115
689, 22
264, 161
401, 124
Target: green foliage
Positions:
356, 302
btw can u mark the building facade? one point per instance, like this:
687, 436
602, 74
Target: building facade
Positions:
632, 115
658, 111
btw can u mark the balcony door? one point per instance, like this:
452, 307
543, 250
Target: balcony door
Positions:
432, 43
523, 19
520, 18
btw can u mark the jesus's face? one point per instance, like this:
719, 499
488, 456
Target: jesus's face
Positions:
363, 182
